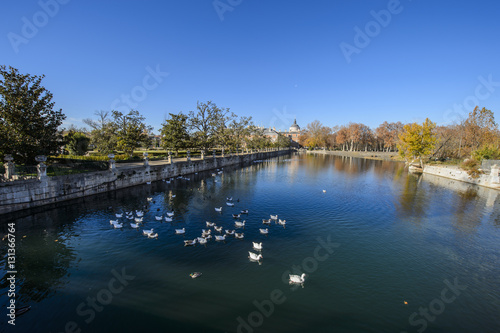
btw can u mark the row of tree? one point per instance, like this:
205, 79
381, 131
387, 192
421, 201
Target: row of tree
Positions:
29, 126
478, 132
207, 127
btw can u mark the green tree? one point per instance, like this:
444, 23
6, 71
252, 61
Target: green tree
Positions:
77, 142
131, 131
416, 141
283, 141
28, 122
174, 133
103, 134
208, 124
233, 134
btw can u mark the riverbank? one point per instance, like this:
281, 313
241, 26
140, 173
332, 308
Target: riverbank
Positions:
373, 155
26, 194
447, 171
454, 172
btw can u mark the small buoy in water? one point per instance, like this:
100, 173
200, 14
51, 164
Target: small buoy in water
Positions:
324, 191
195, 275
406, 303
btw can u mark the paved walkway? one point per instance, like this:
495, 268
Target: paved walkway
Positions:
129, 165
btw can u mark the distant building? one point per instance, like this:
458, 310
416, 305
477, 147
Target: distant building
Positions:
293, 133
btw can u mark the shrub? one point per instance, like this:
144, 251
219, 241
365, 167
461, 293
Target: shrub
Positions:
486, 152
472, 167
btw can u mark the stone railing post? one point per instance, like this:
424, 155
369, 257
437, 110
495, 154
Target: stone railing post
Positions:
202, 154
146, 159
112, 165
188, 156
9, 167
494, 178
41, 167
215, 154
169, 157
222, 152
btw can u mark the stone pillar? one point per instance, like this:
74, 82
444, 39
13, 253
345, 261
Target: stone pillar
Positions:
215, 154
112, 166
202, 154
9, 166
169, 157
494, 178
222, 152
146, 159
41, 167
188, 156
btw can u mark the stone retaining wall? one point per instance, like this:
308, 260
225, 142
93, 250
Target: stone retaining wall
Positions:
18, 195
377, 155
489, 180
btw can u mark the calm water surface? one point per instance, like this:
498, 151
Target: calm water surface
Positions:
377, 238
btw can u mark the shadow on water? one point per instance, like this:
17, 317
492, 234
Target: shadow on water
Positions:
43, 256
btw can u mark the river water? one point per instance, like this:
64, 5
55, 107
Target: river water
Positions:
382, 250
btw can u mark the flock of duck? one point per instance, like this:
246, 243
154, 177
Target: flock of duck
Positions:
219, 235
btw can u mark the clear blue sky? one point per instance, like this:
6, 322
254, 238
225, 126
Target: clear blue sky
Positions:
272, 60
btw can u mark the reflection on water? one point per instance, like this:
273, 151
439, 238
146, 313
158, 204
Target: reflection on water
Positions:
399, 237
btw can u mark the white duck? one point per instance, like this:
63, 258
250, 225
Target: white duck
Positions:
133, 225
219, 229
168, 219
257, 246
254, 256
239, 224
150, 199
282, 222
119, 215
210, 224
230, 232
297, 278
202, 240
239, 235
153, 235
230, 204
207, 232
264, 231
159, 218
113, 221
219, 209
139, 213
118, 225
138, 219
274, 217
220, 238
170, 214
147, 232
180, 231
264, 221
